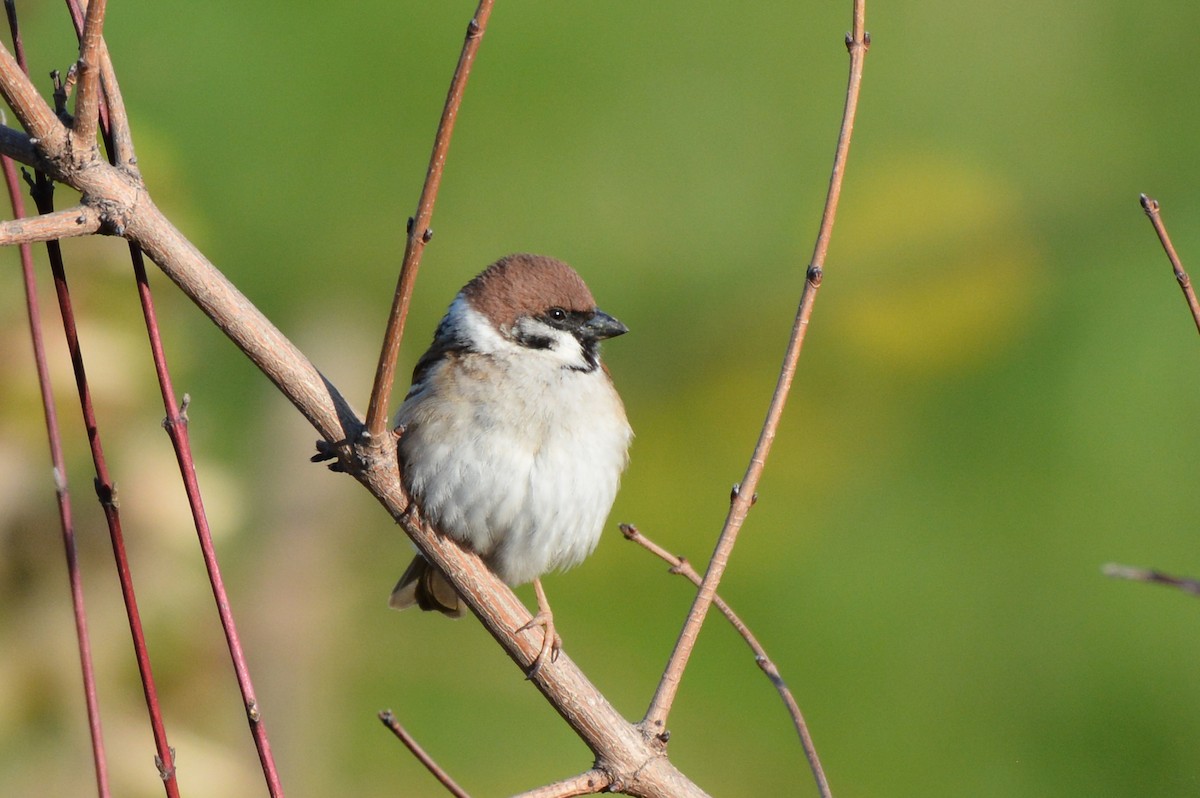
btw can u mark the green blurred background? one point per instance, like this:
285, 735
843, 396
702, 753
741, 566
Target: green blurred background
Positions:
998, 394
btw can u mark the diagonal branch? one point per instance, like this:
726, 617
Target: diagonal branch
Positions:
81, 220
682, 567
655, 722
419, 232
36, 116
58, 461
1153, 210
392, 722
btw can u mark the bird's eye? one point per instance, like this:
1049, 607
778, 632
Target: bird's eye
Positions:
557, 314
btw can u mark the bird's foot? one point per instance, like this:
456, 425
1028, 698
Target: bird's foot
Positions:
551, 642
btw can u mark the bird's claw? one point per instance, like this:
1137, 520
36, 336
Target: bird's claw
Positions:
551, 642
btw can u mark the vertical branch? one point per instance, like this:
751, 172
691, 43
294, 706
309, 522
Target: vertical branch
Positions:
1152, 209
107, 493
65, 515
87, 93
57, 459
419, 231
176, 424
857, 42
115, 129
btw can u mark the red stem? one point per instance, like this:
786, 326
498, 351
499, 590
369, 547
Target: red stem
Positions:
57, 459
419, 231
66, 519
106, 492
176, 424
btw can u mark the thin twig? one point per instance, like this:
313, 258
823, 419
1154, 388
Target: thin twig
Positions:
1152, 209
176, 425
114, 122
681, 566
654, 723
389, 719
87, 92
81, 220
57, 459
589, 783
107, 493
419, 231
1150, 576
176, 421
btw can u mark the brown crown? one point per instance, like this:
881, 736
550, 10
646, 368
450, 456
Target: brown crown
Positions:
527, 285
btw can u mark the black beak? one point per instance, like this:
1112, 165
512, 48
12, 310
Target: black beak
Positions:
601, 326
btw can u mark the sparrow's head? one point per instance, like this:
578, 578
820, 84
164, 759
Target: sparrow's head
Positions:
539, 304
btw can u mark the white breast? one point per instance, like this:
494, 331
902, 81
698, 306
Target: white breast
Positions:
515, 455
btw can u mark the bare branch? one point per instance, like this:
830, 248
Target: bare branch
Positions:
589, 783
176, 425
58, 461
419, 231
1149, 576
389, 719
857, 42
682, 567
87, 95
1152, 209
106, 492
81, 220
114, 121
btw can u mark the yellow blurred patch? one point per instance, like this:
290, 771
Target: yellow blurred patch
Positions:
939, 263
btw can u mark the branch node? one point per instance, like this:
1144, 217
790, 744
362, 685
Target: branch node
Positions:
427, 236
165, 772
107, 494
252, 712
814, 275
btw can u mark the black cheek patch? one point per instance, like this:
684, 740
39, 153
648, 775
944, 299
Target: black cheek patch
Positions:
532, 340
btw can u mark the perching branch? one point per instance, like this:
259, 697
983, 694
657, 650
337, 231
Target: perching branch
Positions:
682, 567
629, 758
419, 232
1152, 209
655, 721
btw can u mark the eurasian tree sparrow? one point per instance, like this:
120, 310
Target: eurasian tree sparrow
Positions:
513, 438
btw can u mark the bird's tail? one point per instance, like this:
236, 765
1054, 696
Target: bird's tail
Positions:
426, 587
